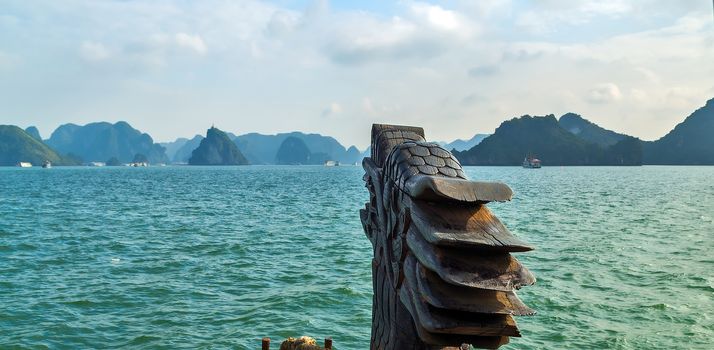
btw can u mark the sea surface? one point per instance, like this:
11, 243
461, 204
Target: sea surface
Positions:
217, 258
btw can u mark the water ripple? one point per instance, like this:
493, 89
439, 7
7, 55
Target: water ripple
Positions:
192, 257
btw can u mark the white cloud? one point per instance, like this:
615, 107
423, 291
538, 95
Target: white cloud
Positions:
7, 61
604, 93
422, 31
368, 107
363, 38
282, 23
483, 71
192, 42
333, 109
93, 51
612, 8
639, 95
648, 74
682, 96
472, 99
455, 67
437, 16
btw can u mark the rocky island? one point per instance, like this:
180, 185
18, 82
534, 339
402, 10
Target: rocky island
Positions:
548, 139
217, 149
16, 145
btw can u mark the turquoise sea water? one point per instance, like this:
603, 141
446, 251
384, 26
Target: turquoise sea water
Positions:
214, 258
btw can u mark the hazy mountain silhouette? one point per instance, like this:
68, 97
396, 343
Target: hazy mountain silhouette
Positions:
32, 131
572, 140
588, 131
263, 149
172, 146
183, 153
463, 145
101, 141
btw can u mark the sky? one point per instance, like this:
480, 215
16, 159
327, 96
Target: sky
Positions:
173, 68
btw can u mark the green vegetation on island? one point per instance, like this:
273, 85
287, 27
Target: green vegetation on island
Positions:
16, 145
293, 151
549, 141
691, 142
571, 140
217, 149
97, 142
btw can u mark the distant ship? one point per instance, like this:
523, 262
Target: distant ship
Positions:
332, 163
24, 165
47, 164
531, 162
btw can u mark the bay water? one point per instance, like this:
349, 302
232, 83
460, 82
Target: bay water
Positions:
219, 257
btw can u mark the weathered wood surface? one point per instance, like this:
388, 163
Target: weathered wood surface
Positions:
451, 321
454, 189
442, 270
448, 296
491, 271
474, 226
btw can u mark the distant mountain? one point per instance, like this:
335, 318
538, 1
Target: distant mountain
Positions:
173, 146
262, 149
183, 153
217, 149
548, 140
97, 142
16, 145
293, 151
589, 131
689, 143
462, 145
352, 156
32, 131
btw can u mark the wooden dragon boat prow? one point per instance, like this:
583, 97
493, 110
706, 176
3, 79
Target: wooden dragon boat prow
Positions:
442, 272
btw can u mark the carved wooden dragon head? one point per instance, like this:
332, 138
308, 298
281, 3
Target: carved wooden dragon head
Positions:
442, 271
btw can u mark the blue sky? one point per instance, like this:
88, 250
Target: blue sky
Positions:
174, 67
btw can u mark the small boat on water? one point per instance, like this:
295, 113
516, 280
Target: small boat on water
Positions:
332, 163
531, 162
24, 165
47, 164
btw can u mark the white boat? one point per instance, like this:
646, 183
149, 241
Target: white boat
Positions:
332, 163
96, 164
24, 165
47, 164
531, 162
